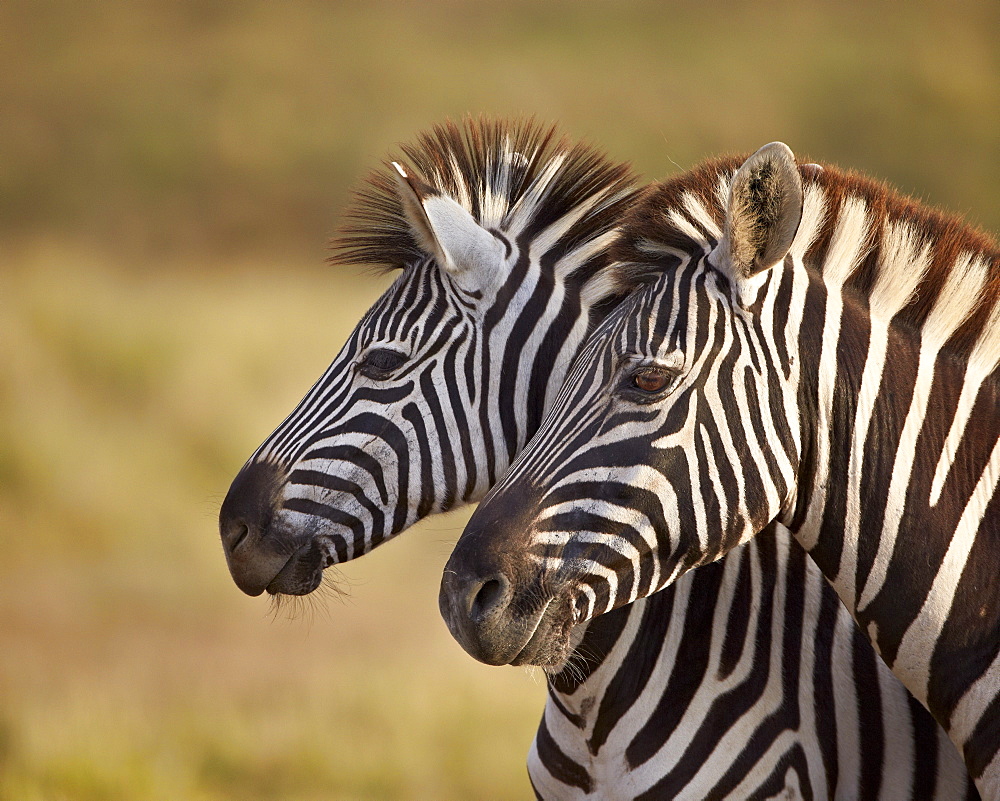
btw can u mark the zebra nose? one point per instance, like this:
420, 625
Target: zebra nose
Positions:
244, 520
489, 588
474, 607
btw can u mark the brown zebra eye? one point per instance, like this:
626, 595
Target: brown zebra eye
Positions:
651, 380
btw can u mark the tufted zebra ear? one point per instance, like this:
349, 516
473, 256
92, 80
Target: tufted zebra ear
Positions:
763, 214
445, 230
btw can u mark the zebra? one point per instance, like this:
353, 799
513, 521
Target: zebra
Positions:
501, 232
804, 347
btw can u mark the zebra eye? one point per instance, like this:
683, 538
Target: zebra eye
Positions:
651, 380
380, 363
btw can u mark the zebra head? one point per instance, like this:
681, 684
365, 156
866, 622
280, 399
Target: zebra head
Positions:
668, 444
500, 232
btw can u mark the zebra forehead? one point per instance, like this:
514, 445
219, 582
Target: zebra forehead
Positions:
498, 170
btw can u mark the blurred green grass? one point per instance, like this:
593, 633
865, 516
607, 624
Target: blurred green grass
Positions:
169, 173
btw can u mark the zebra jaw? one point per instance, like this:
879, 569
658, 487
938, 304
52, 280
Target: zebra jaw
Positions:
303, 572
549, 646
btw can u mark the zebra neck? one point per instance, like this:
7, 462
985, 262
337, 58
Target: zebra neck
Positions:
592, 692
899, 533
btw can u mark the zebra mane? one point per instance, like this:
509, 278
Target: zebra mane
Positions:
913, 264
513, 176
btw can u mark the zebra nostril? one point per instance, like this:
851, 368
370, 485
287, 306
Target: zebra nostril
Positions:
252, 500
241, 530
491, 595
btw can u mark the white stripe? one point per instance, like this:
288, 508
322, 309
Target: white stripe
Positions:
848, 245
682, 224
700, 214
970, 708
813, 217
898, 757
871, 380
956, 301
808, 533
912, 663
900, 269
522, 212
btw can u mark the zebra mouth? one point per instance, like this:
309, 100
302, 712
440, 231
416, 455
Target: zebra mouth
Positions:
549, 646
303, 572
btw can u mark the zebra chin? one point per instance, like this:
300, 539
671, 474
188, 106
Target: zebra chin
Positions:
553, 642
303, 572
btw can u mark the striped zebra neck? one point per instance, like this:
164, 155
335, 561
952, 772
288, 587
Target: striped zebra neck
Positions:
733, 683
897, 500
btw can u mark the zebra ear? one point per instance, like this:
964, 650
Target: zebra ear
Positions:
764, 210
443, 229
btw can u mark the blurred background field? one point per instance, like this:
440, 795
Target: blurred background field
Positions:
169, 175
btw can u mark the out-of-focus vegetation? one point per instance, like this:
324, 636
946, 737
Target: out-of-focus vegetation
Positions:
236, 126
169, 173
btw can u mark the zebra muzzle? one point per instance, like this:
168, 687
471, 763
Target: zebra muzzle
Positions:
500, 622
262, 555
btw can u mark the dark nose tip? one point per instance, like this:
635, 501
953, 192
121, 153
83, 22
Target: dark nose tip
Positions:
474, 608
249, 504
488, 588
244, 520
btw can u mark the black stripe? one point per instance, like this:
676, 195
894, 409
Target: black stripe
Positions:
637, 666
353, 455
314, 478
983, 744
870, 728
810, 347
559, 765
334, 515
824, 712
738, 620
682, 686
925, 746
412, 415
445, 458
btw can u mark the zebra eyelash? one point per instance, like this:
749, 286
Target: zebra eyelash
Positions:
379, 364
